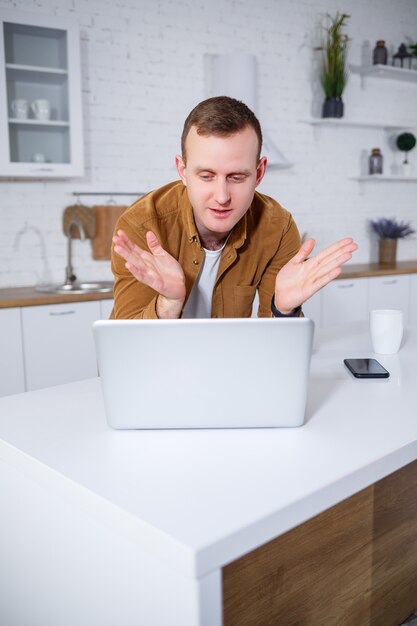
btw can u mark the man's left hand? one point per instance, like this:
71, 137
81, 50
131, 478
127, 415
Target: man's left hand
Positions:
303, 275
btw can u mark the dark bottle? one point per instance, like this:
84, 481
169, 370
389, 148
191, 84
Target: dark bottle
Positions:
380, 53
375, 161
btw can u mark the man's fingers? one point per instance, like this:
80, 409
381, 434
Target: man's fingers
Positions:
141, 272
122, 238
153, 243
330, 264
346, 244
305, 251
334, 255
324, 280
122, 241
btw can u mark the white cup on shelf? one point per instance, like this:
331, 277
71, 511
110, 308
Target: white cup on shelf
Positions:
38, 157
20, 109
41, 109
387, 327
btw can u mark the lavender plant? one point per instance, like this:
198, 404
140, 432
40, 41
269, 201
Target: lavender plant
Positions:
387, 228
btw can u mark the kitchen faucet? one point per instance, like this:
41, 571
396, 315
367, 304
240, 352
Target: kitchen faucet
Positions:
70, 277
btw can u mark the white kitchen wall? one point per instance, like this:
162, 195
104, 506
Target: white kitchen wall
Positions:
143, 70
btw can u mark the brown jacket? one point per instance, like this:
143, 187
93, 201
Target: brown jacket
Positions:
260, 244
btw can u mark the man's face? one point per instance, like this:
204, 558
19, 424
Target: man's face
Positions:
221, 174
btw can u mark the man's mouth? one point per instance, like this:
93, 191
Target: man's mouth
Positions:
221, 213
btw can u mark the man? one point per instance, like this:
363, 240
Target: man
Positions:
203, 246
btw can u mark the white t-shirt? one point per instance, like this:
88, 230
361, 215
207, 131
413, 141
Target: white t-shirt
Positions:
199, 303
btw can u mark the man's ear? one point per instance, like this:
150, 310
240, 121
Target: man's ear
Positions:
180, 165
261, 169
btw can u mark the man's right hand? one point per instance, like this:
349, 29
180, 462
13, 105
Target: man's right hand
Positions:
156, 269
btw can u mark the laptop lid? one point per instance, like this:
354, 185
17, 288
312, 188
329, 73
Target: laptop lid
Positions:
204, 373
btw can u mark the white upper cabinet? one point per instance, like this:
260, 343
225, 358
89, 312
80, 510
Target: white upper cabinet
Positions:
40, 97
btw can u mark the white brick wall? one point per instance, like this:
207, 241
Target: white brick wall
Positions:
142, 71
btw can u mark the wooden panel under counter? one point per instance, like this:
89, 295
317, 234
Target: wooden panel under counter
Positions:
344, 566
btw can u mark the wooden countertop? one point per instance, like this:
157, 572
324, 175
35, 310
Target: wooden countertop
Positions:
364, 270
28, 296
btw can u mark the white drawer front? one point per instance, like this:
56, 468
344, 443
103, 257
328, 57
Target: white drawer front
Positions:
344, 301
390, 292
58, 343
12, 379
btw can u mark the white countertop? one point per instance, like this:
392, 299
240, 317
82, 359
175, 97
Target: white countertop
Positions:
200, 499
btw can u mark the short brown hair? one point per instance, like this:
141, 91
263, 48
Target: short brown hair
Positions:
220, 116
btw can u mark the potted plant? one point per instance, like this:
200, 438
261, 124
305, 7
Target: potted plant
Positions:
333, 76
413, 49
389, 231
406, 142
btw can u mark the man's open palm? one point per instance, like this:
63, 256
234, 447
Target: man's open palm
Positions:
156, 269
302, 276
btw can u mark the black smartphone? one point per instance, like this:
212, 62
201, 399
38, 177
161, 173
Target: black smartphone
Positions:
366, 368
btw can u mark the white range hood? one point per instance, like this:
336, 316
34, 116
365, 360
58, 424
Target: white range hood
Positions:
235, 75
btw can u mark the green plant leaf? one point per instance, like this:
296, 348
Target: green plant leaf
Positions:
334, 76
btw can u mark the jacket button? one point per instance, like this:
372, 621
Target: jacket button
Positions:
195, 262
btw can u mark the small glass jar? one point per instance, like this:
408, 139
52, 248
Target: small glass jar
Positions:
375, 161
380, 53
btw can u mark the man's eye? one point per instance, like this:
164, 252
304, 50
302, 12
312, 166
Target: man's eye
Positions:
206, 176
237, 179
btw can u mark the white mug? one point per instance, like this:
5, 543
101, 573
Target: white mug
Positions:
41, 109
386, 327
20, 109
38, 157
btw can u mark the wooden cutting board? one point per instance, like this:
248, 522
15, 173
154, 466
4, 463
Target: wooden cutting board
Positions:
83, 214
105, 219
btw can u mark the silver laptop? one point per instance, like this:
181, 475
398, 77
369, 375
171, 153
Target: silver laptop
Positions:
204, 373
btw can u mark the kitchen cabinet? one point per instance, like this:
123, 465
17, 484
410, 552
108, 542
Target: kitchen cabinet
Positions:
40, 97
390, 292
413, 299
58, 343
106, 307
351, 300
313, 307
344, 301
12, 377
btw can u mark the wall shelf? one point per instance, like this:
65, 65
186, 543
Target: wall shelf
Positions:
382, 178
384, 71
31, 122
342, 122
35, 68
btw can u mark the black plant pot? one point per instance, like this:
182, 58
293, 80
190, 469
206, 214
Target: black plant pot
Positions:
333, 107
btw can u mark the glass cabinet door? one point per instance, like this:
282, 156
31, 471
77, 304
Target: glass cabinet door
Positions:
41, 80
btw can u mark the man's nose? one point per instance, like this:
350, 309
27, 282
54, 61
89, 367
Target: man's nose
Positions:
222, 193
